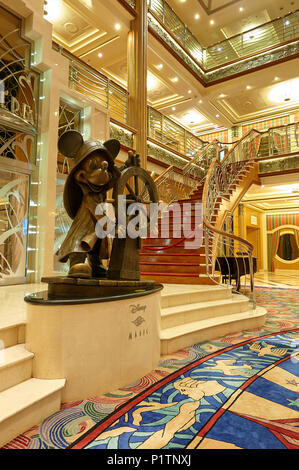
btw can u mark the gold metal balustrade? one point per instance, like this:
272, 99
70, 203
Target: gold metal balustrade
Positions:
267, 36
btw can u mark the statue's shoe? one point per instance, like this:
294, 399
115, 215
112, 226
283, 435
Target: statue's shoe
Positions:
80, 270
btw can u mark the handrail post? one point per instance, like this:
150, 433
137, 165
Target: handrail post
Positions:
252, 288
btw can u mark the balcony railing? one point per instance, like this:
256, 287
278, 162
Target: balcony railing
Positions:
256, 41
253, 41
275, 142
96, 86
167, 132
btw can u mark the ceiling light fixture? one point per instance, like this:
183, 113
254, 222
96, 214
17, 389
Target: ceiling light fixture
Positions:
212, 22
100, 55
173, 108
117, 26
241, 9
248, 87
192, 117
197, 16
160, 66
152, 82
53, 10
175, 79
285, 91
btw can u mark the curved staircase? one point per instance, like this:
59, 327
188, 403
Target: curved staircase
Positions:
207, 309
166, 260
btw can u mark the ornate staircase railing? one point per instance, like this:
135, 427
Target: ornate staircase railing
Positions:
173, 185
226, 253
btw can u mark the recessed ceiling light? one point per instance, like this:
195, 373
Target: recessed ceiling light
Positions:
160, 66
175, 79
189, 91
248, 87
285, 91
152, 82
217, 115
192, 117
197, 16
53, 10
117, 26
200, 101
100, 54
212, 22
222, 95
173, 108
241, 9
276, 79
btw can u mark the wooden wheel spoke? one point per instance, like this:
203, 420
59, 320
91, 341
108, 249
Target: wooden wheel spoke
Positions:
131, 191
136, 184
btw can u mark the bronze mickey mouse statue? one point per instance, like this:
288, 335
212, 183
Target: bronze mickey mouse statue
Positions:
92, 175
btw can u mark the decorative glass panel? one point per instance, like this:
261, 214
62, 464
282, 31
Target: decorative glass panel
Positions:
13, 224
69, 118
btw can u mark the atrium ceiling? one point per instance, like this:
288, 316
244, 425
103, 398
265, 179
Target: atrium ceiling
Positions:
97, 32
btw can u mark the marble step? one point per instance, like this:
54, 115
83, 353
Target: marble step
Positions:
175, 296
12, 334
15, 366
26, 405
180, 337
183, 314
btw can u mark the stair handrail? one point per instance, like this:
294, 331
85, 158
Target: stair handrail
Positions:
217, 239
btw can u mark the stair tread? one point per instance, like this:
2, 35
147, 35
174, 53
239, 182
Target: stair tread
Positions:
168, 254
14, 355
8, 324
195, 291
173, 274
177, 331
21, 396
168, 264
205, 304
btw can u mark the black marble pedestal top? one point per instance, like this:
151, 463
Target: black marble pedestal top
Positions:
67, 291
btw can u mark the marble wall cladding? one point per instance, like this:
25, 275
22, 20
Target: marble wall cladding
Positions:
164, 156
132, 3
279, 164
125, 137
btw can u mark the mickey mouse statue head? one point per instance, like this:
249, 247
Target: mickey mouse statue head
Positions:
92, 175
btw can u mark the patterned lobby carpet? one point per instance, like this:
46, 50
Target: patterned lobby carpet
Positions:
212, 395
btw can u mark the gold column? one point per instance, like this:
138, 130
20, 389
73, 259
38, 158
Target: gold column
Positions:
137, 78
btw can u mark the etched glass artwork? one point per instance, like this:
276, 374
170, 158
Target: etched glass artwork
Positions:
14, 189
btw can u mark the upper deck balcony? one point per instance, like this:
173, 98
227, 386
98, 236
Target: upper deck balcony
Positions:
266, 44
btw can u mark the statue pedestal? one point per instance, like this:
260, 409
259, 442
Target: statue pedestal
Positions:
97, 344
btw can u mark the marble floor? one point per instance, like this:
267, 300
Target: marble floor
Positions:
287, 280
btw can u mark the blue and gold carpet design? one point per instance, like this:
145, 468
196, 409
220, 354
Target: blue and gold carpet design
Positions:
244, 396
239, 391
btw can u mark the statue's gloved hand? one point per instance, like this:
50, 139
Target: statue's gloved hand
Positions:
133, 160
